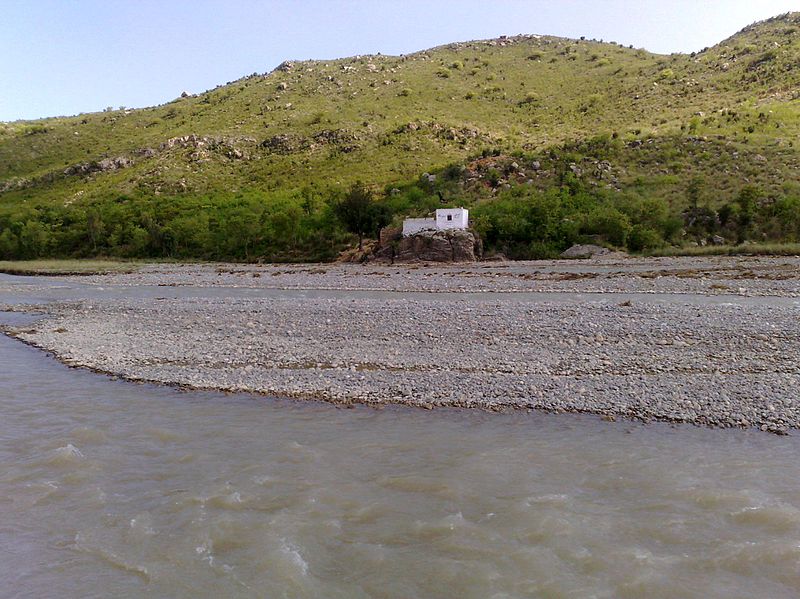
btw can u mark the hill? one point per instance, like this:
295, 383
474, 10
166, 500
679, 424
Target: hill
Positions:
248, 170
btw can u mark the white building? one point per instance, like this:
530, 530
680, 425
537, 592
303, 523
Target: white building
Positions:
446, 218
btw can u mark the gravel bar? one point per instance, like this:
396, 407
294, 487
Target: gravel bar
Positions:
727, 362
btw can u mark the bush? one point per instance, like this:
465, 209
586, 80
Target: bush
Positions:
609, 223
766, 57
642, 238
540, 250
666, 74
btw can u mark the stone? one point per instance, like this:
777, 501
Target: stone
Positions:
104, 165
112, 164
718, 240
585, 251
284, 144
430, 246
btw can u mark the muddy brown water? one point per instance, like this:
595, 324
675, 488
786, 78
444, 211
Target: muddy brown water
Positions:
115, 489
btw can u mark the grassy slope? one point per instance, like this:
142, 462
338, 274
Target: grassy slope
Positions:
386, 119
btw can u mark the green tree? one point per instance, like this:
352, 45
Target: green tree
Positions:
360, 214
747, 201
609, 223
34, 239
643, 238
694, 193
8, 245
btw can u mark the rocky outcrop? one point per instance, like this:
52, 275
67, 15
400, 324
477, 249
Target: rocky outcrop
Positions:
14, 183
104, 165
284, 144
186, 141
430, 246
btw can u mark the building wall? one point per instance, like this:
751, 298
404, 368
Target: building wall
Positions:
446, 218
415, 225
452, 218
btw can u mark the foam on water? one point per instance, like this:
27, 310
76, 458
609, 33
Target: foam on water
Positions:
66, 455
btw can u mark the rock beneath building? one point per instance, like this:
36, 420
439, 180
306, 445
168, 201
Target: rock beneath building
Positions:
452, 245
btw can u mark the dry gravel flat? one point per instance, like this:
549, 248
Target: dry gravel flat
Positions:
708, 341
757, 276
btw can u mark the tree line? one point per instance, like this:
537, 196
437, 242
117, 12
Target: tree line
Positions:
316, 224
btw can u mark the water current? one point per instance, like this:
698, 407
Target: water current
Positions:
112, 489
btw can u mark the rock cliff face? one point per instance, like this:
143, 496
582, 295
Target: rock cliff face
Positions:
430, 246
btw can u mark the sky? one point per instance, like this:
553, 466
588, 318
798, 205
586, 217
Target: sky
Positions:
64, 57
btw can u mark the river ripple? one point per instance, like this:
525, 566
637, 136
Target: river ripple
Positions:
115, 489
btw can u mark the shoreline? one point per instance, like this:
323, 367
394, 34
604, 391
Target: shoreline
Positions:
366, 402
722, 365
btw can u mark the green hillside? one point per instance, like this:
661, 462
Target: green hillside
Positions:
249, 170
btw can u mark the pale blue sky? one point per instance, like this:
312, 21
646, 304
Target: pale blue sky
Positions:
60, 57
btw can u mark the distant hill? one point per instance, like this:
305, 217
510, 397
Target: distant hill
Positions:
126, 181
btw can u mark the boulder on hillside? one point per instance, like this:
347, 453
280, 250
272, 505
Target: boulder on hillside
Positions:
585, 251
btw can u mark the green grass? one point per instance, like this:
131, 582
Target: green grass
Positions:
575, 95
755, 249
65, 267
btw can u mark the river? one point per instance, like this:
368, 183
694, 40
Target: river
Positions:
110, 488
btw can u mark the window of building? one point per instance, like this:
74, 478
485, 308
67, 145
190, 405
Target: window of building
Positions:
449, 217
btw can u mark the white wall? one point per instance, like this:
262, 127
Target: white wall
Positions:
415, 225
458, 218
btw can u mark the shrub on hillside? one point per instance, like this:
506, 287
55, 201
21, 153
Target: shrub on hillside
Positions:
609, 223
642, 238
666, 74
